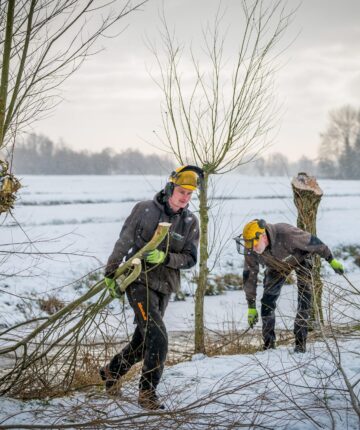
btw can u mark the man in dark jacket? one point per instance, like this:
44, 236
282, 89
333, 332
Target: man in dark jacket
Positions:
281, 248
149, 294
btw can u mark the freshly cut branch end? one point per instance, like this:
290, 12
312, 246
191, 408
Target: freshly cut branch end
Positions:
304, 182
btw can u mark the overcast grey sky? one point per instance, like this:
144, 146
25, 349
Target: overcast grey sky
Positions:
113, 102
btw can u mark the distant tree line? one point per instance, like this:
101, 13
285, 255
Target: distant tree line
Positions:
277, 164
339, 156
38, 155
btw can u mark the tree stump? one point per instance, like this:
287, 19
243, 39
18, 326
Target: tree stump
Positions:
307, 196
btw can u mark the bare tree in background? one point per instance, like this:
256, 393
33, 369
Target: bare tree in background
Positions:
222, 119
339, 153
42, 43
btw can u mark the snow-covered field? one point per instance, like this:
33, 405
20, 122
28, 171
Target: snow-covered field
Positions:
65, 226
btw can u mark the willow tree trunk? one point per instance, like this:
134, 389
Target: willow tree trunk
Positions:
307, 196
4, 80
203, 269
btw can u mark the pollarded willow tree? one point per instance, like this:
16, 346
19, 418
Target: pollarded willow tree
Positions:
223, 118
42, 43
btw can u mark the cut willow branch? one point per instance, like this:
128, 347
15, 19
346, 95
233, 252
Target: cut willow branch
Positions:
48, 358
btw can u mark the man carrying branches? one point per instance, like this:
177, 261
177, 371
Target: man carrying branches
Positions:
281, 248
160, 276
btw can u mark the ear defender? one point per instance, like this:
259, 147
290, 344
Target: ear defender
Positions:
169, 189
261, 223
191, 181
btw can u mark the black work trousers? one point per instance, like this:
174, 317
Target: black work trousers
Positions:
149, 341
273, 283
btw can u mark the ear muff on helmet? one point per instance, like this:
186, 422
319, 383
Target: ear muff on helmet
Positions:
169, 189
250, 236
261, 223
253, 231
175, 176
191, 181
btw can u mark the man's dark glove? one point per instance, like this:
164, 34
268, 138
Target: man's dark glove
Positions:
253, 317
113, 288
337, 266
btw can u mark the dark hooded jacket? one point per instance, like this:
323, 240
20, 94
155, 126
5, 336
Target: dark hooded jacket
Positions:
182, 243
288, 247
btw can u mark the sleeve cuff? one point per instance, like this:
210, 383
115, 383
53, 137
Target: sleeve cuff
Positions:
251, 304
331, 257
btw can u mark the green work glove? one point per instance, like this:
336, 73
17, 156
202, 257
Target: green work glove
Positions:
155, 256
113, 288
253, 317
337, 266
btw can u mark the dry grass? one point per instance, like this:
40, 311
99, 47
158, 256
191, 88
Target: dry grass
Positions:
87, 372
51, 305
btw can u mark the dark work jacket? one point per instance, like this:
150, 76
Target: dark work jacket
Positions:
139, 228
288, 247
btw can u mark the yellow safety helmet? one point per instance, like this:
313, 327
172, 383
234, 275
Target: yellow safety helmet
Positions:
252, 232
187, 179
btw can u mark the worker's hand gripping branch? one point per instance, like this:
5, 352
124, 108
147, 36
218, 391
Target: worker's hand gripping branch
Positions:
337, 266
113, 288
253, 317
155, 256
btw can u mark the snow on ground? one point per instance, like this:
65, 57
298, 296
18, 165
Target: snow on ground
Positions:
77, 220
270, 389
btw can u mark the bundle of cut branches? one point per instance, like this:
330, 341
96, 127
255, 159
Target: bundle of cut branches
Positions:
9, 185
45, 361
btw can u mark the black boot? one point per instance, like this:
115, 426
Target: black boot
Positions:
300, 345
110, 381
149, 400
269, 344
